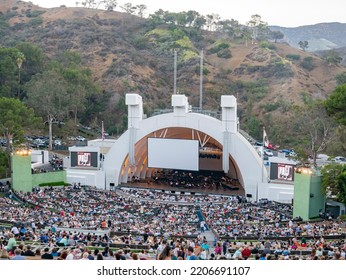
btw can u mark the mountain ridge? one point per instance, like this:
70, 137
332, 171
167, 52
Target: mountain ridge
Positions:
125, 54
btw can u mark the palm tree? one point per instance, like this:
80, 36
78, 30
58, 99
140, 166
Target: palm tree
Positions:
19, 60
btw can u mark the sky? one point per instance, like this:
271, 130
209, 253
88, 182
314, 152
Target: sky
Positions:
285, 13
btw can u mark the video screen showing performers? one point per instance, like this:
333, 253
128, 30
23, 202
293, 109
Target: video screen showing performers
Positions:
285, 172
281, 171
84, 159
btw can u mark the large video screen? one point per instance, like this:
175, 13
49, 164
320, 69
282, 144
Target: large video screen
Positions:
83, 159
281, 171
178, 154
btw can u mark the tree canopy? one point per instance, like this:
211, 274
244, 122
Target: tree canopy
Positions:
47, 94
336, 104
14, 118
334, 181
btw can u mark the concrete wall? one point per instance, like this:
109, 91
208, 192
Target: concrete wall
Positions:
308, 197
86, 177
317, 198
277, 192
57, 176
21, 173
24, 180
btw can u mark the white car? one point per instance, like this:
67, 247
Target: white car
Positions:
80, 138
57, 142
340, 159
268, 153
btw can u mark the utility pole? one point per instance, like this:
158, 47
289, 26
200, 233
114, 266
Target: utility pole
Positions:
201, 82
175, 72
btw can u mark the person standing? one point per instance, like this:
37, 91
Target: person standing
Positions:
190, 254
33, 227
206, 247
11, 242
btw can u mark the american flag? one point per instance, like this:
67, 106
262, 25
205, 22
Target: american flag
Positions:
265, 139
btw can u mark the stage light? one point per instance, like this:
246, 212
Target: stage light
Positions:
23, 152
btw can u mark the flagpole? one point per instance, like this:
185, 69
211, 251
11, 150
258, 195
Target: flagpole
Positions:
263, 143
103, 157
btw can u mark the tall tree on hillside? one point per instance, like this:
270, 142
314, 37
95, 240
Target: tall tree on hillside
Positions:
246, 35
231, 27
276, 35
14, 118
211, 21
336, 104
92, 4
141, 10
33, 63
332, 57
79, 82
340, 78
257, 26
334, 181
19, 61
9, 63
129, 8
110, 5
47, 95
315, 127
303, 45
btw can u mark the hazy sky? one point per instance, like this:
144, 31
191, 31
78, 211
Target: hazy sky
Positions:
287, 13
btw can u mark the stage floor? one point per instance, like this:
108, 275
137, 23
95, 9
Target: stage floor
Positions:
167, 188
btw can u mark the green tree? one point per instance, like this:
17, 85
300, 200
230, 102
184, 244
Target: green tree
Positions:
92, 4
9, 71
129, 8
80, 87
14, 118
332, 57
34, 62
341, 78
314, 127
47, 95
110, 5
258, 27
253, 127
231, 27
247, 35
20, 58
4, 164
303, 45
276, 35
336, 104
141, 10
79, 82
307, 63
334, 181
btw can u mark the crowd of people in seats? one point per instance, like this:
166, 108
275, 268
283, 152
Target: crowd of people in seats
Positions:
167, 223
192, 180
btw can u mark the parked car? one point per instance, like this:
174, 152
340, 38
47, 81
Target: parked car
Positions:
57, 142
80, 138
268, 153
340, 159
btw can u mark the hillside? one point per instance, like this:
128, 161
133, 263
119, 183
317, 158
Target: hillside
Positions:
322, 36
127, 54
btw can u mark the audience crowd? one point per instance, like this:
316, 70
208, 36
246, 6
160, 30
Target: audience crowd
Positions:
65, 221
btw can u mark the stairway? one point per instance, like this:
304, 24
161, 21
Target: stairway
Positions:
208, 234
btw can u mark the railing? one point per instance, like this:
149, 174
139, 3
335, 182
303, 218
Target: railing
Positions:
210, 113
